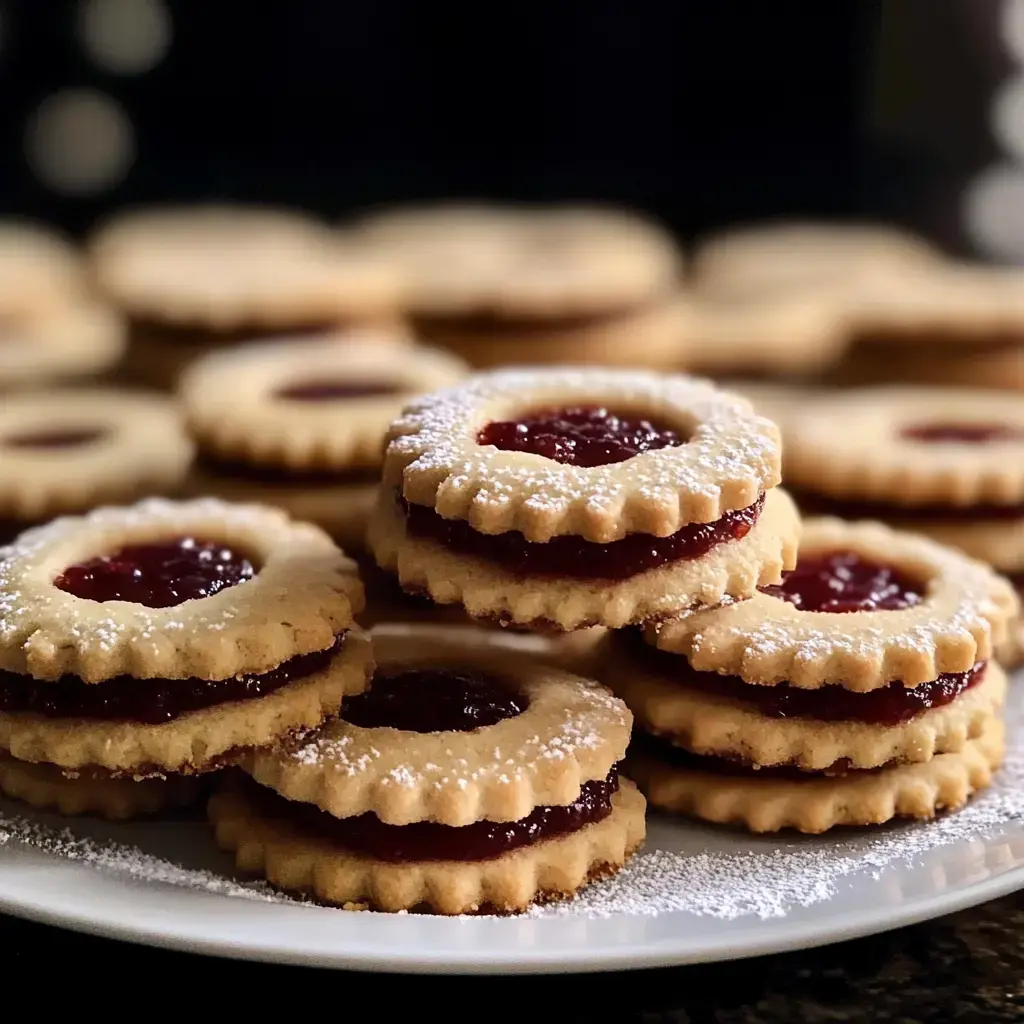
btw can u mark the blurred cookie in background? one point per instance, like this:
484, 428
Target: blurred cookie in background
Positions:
67, 451
504, 285
778, 400
953, 324
194, 278
780, 258
39, 269
299, 423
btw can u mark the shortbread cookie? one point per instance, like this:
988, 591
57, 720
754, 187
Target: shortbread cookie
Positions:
865, 606
73, 341
776, 336
504, 285
572, 498
768, 800
94, 791
398, 803
808, 258
171, 637
68, 451
40, 270
775, 399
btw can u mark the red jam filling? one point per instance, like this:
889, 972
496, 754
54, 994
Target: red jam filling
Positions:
166, 333
813, 504
68, 438
888, 705
328, 390
367, 836
281, 476
150, 701
157, 575
961, 433
575, 558
843, 581
433, 700
585, 436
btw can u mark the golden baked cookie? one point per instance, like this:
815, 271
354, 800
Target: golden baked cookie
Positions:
805, 257
561, 284
769, 800
469, 775
60, 343
94, 791
40, 270
880, 605
68, 451
570, 497
171, 636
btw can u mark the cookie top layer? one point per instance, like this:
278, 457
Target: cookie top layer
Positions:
906, 446
960, 610
722, 457
317, 403
299, 592
525, 261
539, 734
39, 269
224, 267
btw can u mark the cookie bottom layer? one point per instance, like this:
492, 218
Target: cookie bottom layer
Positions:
196, 742
296, 859
94, 791
818, 803
734, 568
341, 510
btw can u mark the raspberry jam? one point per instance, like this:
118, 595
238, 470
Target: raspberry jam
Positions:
843, 581
281, 476
67, 438
433, 700
585, 436
573, 557
157, 575
150, 701
813, 504
961, 433
367, 836
329, 391
888, 705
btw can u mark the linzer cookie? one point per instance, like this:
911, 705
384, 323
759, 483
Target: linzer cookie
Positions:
65, 452
468, 778
195, 278
304, 426
40, 270
566, 498
169, 637
504, 286
859, 689
940, 461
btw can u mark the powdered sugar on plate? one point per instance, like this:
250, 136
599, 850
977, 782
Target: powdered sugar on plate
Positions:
686, 867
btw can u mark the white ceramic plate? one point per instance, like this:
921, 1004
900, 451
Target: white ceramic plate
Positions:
707, 895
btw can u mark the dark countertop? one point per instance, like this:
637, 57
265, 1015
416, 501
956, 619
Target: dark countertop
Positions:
966, 967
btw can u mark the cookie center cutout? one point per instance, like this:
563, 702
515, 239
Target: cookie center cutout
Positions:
961, 433
69, 437
433, 700
582, 436
333, 390
158, 575
844, 581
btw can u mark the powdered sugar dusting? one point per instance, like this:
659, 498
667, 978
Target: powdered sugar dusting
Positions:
690, 869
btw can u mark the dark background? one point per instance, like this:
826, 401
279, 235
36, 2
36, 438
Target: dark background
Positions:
702, 112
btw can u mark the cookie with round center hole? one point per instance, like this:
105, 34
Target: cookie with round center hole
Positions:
305, 428
566, 498
470, 776
171, 636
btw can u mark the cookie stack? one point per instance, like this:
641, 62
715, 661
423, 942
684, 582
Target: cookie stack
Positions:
53, 329
940, 461
191, 279
65, 452
143, 648
565, 498
300, 424
467, 779
501, 285
859, 690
